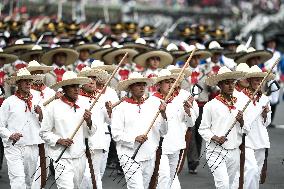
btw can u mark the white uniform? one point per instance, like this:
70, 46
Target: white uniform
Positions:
174, 140
57, 124
222, 160
130, 120
22, 157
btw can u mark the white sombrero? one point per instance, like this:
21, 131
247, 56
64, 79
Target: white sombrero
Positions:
224, 73
19, 45
87, 46
177, 70
164, 74
251, 52
70, 78
72, 55
23, 74
9, 58
255, 71
242, 67
174, 50
101, 75
34, 51
109, 56
240, 50
165, 58
35, 66
134, 77
97, 64
215, 47
204, 54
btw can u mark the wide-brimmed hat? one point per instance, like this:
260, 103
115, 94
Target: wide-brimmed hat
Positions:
72, 55
34, 51
134, 77
9, 58
140, 45
251, 53
88, 46
242, 67
255, 71
23, 74
176, 70
165, 58
240, 50
97, 64
164, 74
204, 54
174, 50
70, 78
215, 47
109, 56
97, 54
35, 66
19, 45
224, 73
101, 75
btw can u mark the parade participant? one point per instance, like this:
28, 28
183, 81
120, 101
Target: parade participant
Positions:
222, 153
197, 76
97, 143
84, 51
130, 120
231, 55
179, 120
34, 54
57, 127
258, 115
152, 61
19, 129
60, 58
230, 46
241, 83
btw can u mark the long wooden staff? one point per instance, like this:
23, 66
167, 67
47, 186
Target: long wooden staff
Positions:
93, 104
49, 100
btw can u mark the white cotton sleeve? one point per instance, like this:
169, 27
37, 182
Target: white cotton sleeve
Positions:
4, 116
205, 126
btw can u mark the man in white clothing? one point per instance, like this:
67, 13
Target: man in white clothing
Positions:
222, 152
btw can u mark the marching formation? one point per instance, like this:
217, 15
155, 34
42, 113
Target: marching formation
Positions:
76, 101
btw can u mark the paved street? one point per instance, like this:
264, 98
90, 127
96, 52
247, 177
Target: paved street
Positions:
204, 180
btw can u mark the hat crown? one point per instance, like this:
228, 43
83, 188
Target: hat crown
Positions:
69, 75
97, 63
36, 47
251, 49
164, 72
242, 67
223, 70
135, 75
199, 46
33, 63
254, 69
241, 48
106, 46
86, 68
189, 48
214, 45
23, 72
19, 42
172, 47
141, 41
172, 67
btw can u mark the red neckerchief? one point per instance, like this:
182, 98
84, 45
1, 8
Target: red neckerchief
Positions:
59, 73
215, 69
2, 75
132, 101
72, 104
230, 104
80, 66
123, 73
249, 94
90, 96
161, 96
27, 100
194, 77
39, 88
20, 65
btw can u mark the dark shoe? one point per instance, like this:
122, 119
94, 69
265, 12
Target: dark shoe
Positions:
271, 126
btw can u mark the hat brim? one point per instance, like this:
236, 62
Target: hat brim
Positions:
97, 54
233, 55
215, 79
124, 85
27, 56
165, 58
13, 48
217, 50
263, 54
270, 77
72, 56
162, 78
75, 81
12, 80
137, 46
186, 72
92, 73
109, 56
45, 69
204, 54
108, 68
91, 47
9, 58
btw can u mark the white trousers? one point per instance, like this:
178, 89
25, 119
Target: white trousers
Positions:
223, 165
137, 174
21, 161
69, 172
167, 170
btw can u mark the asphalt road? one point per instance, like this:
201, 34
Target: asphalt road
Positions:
204, 179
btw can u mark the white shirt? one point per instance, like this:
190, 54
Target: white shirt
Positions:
129, 121
47, 94
60, 121
14, 119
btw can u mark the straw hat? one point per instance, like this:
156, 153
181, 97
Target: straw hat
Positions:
255, 71
242, 67
134, 77
251, 53
224, 73
70, 78
204, 54
176, 70
165, 58
164, 74
19, 45
109, 56
97, 64
9, 58
97, 54
215, 47
72, 55
35, 66
23, 74
240, 50
34, 51
82, 46
101, 75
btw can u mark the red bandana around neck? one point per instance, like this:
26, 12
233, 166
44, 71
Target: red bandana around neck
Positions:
80, 66
39, 88
132, 101
20, 65
27, 100
59, 73
230, 104
123, 73
249, 94
215, 69
72, 104
91, 96
161, 96
194, 77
